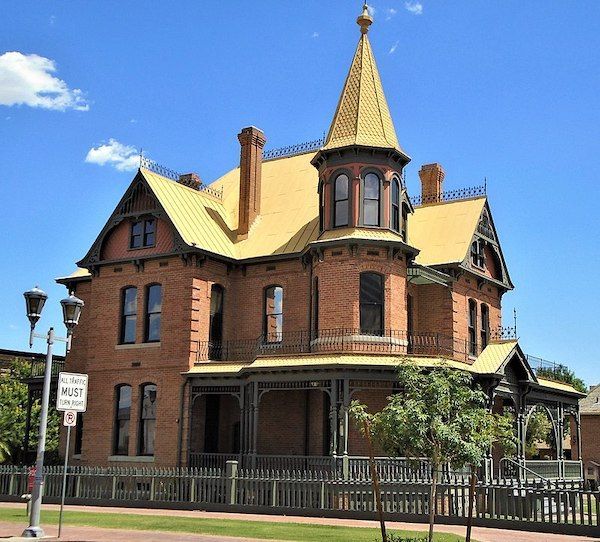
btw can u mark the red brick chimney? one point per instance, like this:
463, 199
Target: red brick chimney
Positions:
252, 141
432, 177
192, 180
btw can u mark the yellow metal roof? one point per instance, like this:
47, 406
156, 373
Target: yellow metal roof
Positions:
217, 368
79, 273
362, 116
493, 357
558, 386
342, 234
200, 219
443, 232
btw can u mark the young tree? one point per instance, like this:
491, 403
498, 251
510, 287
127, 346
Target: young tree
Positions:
561, 373
13, 414
439, 414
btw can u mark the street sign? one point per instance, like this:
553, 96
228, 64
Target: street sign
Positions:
72, 392
70, 418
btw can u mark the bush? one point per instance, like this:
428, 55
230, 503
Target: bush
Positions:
397, 538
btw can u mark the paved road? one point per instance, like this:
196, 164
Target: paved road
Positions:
92, 534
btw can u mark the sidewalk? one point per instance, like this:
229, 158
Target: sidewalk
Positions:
91, 534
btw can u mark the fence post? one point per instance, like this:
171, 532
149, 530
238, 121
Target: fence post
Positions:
345, 467
231, 472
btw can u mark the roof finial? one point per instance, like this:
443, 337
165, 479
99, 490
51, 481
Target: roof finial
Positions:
364, 19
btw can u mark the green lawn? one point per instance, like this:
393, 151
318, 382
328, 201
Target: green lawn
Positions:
251, 529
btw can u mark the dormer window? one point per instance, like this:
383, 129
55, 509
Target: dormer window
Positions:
340, 200
477, 253
143, 233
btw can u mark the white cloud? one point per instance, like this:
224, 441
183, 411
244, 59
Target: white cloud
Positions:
390, 12
414, 6
315, 35
121, 157
393, 48
28, 80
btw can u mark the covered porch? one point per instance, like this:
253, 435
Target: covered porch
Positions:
292, 413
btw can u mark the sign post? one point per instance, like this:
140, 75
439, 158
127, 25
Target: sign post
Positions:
71, 398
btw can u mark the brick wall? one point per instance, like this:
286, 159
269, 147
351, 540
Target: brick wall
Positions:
590, 438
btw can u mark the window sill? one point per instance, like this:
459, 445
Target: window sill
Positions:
135, 346
76, 456
132, 458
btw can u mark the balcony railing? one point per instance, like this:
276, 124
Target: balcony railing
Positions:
38, 366
338, 341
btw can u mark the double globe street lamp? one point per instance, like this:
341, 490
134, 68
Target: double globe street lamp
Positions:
71, 307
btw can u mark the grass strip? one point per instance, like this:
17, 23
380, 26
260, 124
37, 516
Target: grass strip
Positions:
297, 532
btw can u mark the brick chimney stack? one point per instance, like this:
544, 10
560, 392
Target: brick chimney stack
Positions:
191, 180
252, 141
432, 177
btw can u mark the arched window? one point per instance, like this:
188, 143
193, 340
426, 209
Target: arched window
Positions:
147, 430
122, 417
340, 200
321, 207
371, 303
485, 325
153, 312
128, 315
395, 214
371, 199
273, 320
215, 331
472, 327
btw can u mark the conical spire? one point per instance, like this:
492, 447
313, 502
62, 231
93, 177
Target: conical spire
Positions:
362, 116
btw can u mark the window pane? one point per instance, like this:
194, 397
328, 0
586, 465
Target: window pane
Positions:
136, 228
154, 298
130, 301
371, 186
395, 193
371, 290
274, 328
129, 323
153, 327
149, 239
341, 213
395, 218
124, 405
149, 226
122, 447
341, 187
148, 420
371, 212
370, 319
274, 300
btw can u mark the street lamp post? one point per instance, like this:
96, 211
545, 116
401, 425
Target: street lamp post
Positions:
71, 307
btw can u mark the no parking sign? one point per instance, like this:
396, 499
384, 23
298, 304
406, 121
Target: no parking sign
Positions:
70, 418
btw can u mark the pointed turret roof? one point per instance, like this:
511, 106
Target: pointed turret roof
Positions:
362, 116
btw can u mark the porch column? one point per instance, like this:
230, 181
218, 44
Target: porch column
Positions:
333, 421
254, 447
560, 452
578, 425
344, 417
521, 435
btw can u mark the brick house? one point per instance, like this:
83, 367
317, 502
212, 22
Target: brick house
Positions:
590, 434
241, 318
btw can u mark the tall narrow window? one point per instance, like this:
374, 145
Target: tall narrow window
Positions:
340, 206
477, 253
371, 195
410, 322
395, 218
153, 312
79, 435
122, 417
315, 307
128, 315
472, 327
215, 331
143, 233
404, 232
147, 429
371, 303
321, 207
485, 326
273, 323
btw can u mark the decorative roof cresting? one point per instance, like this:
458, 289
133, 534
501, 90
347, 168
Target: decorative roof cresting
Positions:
362, 116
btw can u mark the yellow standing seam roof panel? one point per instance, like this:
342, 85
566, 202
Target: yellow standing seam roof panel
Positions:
342, 234
443, 231
493, 356
362, 116
557, 385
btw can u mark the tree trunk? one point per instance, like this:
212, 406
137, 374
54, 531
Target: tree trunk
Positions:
375, 480
432, 501
471, 503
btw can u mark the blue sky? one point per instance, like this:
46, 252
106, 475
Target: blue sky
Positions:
504, 90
